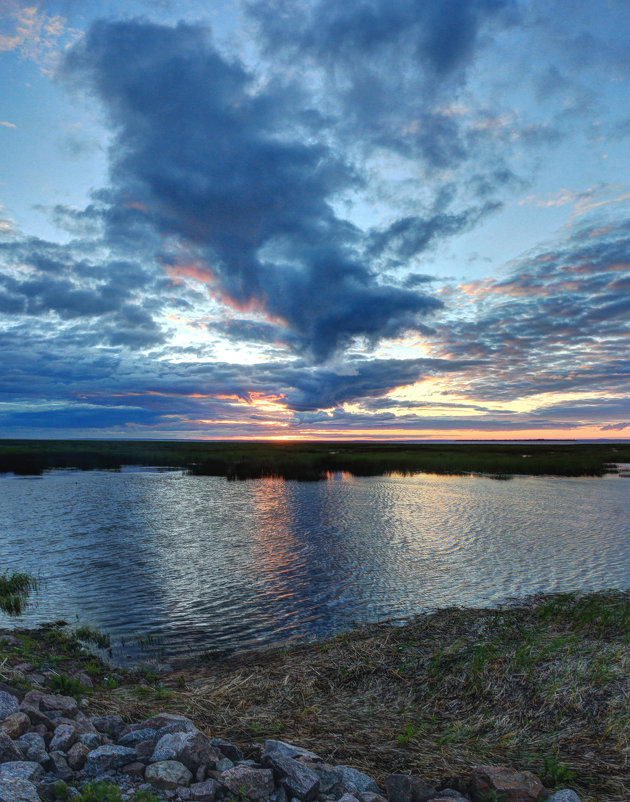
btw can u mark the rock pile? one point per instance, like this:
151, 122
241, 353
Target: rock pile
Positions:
45, 738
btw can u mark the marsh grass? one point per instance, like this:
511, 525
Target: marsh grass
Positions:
15, 588
542, 685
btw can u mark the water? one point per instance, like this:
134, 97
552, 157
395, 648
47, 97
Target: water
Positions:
202, 563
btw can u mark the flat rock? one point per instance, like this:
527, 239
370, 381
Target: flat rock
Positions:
193, 749
257, 784
107, 758
509, 785
8, 705
8, 750
23, 769
15, 725
33, 747
358, 779
297, 779
229, 750
59, 705
289, 750
13, 789
167, 774
403, 788
205, 791
137, 736
565, 795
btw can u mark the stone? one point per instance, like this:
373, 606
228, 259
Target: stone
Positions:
24, 769
36, 716
229, 750
451, 793
509, 785
58, 705
59, 765
257, 784
137, 736
347, 798
163, 720
13, 789
135, 769
370, 796
403, 788
289, 750
328, 775
107, 758
193, 749
167, 774
297, 779
77, 755
8, 705
15, 725
144, 751
33, 747
176, 726
565, 795
90, 739
11, 691
205, 791
113, 726
224, 764
8, 750
63, 738
357, 778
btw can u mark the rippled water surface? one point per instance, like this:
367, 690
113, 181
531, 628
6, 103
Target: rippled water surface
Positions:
206, 563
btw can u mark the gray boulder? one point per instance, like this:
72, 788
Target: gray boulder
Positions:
565, 795
135, 737
167, 774
360, 780
289, 750
8, 705
193, 749
257, 784
108, 758
113, 726
63, 738
22, 769
8, 750
33, 747
297, 779
15, 725
59, 765
13, 789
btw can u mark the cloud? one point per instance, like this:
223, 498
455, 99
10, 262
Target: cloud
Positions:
616, 427
7, 124
221, 170
34, 34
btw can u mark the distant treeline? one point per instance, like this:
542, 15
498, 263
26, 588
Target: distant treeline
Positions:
313, 461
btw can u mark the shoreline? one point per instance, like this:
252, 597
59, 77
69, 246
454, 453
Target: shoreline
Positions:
541, 683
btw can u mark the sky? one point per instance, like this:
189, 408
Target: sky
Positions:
305, 219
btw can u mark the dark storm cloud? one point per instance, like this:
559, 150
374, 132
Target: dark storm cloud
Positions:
224, 169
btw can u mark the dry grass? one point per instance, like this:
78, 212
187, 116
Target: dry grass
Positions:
543, 686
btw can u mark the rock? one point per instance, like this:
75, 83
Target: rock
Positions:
565, 795
193, 749
113, 726
77, 755
224, 764
205, 791
8, 750
15, 725
13, 789
167, 774
144, 751
176, 726
451, 793
8, 705
36, 716
357, 778
257, 784
24, 769
11, 691
403, 788
135, 769
63, 738
107, 758
58, 705
370, 796
33, 747
229, 750
137, 736
90, 739
59, 765
163, 720
297, 779
509, 785
280, 747
347, 798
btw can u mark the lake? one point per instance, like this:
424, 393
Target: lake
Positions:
201, 563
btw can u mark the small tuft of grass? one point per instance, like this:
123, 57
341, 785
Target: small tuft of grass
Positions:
15, 588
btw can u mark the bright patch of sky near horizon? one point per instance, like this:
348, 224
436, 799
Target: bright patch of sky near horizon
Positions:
435, 204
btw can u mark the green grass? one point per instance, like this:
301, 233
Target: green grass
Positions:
15, 588
315, 460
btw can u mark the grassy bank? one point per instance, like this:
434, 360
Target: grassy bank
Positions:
312, 461
544, 686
